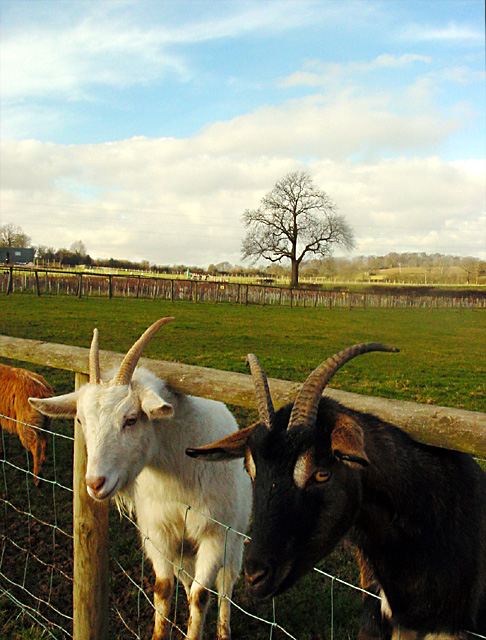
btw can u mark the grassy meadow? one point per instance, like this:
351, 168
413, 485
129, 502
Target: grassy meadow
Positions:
442, 361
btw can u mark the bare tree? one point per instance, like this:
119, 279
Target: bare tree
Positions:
12, 236
78, 248
471, 268
295, 220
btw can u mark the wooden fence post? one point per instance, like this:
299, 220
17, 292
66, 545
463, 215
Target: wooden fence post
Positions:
10, 282
91, 551
37, 283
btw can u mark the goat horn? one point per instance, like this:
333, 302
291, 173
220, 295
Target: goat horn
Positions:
304, 411
264, 400
130, 361
94, 360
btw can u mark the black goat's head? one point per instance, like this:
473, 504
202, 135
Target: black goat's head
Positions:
305, 463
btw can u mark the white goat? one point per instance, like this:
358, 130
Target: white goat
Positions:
136, 433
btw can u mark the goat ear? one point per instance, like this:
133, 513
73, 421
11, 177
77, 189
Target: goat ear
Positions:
155, 407
229, 448
58, 407
347, 442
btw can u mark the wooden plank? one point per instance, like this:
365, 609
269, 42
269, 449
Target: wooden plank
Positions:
441, 426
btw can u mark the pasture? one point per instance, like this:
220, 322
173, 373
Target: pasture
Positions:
442, 361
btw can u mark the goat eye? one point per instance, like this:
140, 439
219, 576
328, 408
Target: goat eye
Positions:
321, 476
129, 422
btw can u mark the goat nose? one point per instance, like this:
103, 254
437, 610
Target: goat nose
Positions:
256, 574
95, 483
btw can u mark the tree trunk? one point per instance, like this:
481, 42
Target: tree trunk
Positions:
294, 281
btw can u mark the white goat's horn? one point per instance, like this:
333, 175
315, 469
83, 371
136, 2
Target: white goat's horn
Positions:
130, 361
94, 360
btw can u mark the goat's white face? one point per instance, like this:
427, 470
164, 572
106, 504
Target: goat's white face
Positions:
118, 417
120, 434
119, 423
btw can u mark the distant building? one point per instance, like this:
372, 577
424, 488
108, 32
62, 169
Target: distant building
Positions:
13, 255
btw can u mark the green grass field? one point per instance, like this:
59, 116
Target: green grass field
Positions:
442, 361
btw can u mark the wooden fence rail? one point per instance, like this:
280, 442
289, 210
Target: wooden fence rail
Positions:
43, 281
442, 426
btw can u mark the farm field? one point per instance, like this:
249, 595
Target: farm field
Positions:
442, 361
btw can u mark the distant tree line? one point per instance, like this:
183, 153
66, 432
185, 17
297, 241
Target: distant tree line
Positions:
416, 268
410, 268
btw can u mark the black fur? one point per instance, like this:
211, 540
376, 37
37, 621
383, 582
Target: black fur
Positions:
417, 512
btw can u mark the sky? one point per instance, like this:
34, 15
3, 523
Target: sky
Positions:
145, 128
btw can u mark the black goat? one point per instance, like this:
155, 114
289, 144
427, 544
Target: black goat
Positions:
322, 472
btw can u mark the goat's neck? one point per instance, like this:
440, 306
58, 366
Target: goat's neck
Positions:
170, 448
391, 493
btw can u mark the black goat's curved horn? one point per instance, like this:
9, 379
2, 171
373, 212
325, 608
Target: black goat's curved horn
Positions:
130, 361
304, 411
264, 400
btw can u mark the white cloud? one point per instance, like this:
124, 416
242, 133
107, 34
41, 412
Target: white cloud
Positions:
319, 74
47, 62
174, 200
340, 128
123, 44
412, 204
452, 32
180, 201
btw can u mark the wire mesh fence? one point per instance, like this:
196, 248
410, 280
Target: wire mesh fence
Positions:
36, 533
36, 564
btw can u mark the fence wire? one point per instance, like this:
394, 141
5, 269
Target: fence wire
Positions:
36, 566
36, 533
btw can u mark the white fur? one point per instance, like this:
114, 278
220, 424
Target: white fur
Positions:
386, 611
303, 469
144, 467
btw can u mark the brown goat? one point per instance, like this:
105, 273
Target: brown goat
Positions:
16, 387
